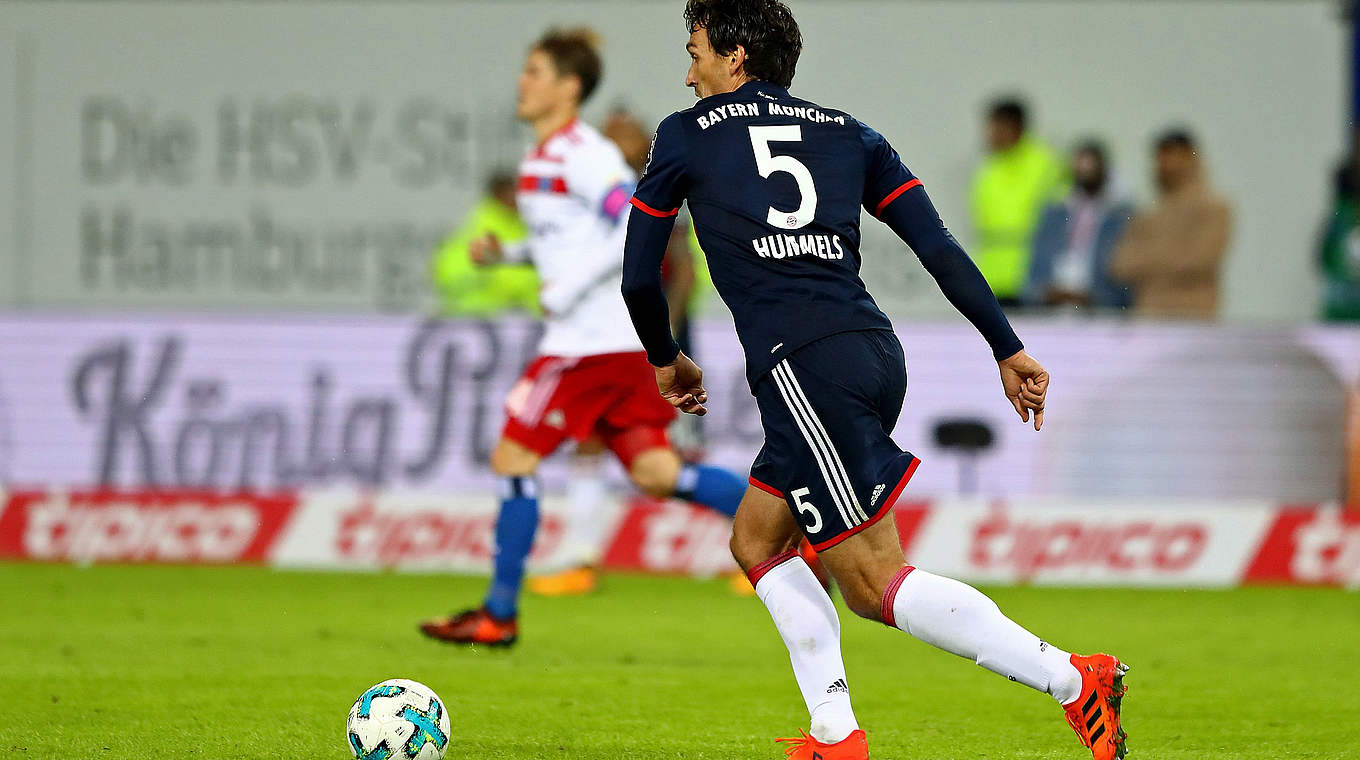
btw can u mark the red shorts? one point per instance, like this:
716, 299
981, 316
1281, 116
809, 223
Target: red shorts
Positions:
613, 395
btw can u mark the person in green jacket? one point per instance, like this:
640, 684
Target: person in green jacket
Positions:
1017, 179
1339, 251
467, 290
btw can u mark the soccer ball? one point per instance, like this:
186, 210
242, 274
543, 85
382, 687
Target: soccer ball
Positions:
398, 719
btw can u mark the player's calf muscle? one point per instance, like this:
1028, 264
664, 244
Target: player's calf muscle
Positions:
762, 529
864, 564
655, 471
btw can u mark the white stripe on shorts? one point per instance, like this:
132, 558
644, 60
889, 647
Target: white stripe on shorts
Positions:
837, 465
815, 435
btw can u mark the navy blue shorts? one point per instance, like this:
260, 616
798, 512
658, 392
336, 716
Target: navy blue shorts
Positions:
828, 411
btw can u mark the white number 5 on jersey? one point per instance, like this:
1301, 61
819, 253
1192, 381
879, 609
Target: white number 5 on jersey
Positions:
767, 164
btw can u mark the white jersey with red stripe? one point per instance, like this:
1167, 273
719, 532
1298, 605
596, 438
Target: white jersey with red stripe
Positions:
573, 195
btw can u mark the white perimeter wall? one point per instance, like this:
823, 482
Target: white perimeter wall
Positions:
1262, 82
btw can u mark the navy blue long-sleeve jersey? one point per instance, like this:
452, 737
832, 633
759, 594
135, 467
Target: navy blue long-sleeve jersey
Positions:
775, 185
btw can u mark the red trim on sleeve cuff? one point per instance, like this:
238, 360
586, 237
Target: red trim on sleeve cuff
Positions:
893, 195
644, 208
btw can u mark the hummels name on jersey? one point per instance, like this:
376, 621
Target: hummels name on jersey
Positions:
789, 246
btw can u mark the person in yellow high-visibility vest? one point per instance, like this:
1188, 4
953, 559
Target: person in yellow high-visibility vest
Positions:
1019, 176
467, 290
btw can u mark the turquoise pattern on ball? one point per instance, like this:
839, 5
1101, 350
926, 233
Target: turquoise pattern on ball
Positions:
427, 728
380, 752
366, 701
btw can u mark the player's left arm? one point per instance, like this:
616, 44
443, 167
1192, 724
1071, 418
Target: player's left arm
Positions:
655, 204
679, 264
900, 201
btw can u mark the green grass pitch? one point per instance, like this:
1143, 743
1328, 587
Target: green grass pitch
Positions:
172, 662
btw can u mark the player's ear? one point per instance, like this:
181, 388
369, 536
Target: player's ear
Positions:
574, 87
736, 59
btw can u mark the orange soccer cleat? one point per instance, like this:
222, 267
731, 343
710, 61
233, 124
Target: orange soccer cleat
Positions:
573, 582
473, 627
1094, 715
853, 747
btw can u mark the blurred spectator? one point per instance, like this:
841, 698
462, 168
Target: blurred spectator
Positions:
468, 290
1019, 176
1172, 254
1339, 253
1076, 238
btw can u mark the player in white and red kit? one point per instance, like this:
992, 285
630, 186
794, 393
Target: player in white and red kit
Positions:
591, 376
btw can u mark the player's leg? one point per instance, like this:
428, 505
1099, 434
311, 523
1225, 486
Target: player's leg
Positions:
494, 623
516, 524
525, 440
659, 471
587, 494
654, 466
763, 539
878, 584
635, 428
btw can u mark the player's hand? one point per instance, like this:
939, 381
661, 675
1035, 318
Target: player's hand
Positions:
485, 250
682, 384
1026, 384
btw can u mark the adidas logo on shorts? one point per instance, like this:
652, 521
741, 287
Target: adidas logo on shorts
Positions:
878, 491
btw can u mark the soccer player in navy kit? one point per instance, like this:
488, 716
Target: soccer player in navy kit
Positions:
775, 185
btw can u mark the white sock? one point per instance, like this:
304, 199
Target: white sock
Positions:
958, 618
807, 622
587, 495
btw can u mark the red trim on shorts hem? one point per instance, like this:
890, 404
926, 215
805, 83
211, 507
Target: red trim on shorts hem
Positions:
530, 438
644, 208
893, 195
890, 596
769, 489
759, 571
883, 512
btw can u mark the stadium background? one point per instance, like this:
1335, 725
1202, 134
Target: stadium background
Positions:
219, 346
207, 206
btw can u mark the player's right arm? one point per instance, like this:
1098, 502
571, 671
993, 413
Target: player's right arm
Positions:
899, 200
655, 203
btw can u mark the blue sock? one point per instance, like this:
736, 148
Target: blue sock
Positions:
515, 528
712, 487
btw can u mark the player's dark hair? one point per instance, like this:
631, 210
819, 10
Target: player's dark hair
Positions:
575, 52
765, 28
1010, 109
1176, 137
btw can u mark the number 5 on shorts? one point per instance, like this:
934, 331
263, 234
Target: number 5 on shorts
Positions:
807, 506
